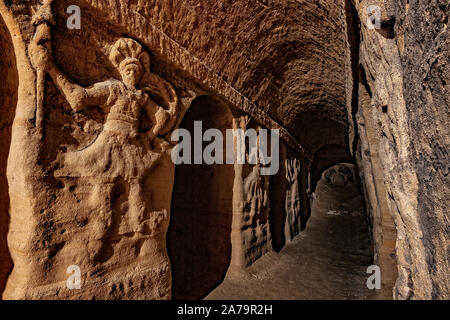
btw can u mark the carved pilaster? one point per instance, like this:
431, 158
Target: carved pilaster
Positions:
250, 235
293, 201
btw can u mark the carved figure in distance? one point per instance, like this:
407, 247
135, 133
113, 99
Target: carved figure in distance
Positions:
254, 187
293, 202
121, 151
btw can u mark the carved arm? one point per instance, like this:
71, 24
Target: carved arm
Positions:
79, 97
163, 120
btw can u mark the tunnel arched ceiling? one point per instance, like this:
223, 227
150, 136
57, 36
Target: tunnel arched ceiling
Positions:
275, 59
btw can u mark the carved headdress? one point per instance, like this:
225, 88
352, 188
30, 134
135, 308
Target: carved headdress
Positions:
126, 51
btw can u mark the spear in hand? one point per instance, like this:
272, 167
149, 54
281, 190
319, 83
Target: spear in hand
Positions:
43, 20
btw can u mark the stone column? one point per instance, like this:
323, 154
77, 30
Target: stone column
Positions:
250, 234
90, 196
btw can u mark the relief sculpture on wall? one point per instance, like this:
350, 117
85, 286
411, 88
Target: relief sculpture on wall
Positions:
122, 220
293, 202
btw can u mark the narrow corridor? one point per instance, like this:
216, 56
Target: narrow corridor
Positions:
328, 260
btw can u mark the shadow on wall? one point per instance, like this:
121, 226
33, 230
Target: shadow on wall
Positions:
199, 242
8, 101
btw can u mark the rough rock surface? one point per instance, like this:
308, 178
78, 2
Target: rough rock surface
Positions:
407, 70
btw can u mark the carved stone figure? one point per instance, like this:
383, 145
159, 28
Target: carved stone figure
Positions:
293, 202
120, 150
251, 236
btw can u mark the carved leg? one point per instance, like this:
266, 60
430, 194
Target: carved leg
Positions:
137, 206
101, 218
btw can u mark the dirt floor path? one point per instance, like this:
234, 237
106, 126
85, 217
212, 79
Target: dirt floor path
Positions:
328, 260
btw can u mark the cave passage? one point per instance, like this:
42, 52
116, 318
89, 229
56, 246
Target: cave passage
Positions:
328, 260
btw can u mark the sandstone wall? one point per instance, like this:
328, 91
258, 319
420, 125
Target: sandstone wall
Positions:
406, 65
8, 100
198, 240
67, 208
